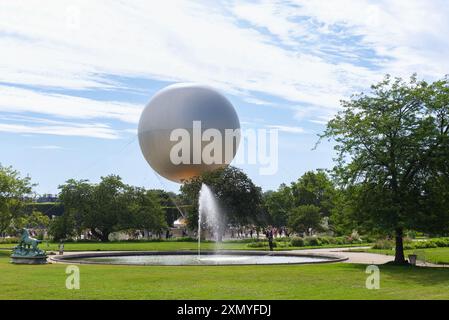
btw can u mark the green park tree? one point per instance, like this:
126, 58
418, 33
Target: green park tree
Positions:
279, 205
13, 192
107, 207
305, 218
392, 147
146, 211
314, 188
100, 208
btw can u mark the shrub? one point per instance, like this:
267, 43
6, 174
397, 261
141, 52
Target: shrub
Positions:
9, 240
297, 242
339, 240
260, 244
257, 244
312, 241
441, 242
324, 240
384, 244
424, 244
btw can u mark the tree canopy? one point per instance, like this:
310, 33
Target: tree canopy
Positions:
108, 207
13, 192
392, 147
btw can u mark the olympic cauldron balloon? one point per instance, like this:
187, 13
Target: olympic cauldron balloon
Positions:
187, 129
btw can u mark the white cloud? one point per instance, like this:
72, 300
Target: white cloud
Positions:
16, 100
48, 147
173, 40
30, 126
288, 129
78, 131
312, 52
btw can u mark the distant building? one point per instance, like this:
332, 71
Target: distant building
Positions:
47, 198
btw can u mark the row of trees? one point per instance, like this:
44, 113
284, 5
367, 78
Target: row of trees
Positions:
107, 207
111, 205
304, 205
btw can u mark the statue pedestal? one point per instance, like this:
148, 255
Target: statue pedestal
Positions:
29, 260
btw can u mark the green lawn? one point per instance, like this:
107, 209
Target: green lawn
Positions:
324, 281
432, 255
158, 246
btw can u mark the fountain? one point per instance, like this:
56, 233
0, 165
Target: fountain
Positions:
209, 209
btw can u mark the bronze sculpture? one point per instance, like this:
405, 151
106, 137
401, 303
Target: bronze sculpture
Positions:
27, 251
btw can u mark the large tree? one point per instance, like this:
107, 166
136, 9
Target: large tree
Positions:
107, 207
239, 197
279, 205
314, 188
392, 147
100, 208
146, 211
305, 219
13, 192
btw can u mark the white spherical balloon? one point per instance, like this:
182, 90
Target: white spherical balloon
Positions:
181, 109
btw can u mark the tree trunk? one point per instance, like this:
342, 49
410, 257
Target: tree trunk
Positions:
399, 253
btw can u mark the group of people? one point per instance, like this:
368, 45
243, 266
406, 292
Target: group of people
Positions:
254, 232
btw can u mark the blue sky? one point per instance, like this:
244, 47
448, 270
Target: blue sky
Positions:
75, 77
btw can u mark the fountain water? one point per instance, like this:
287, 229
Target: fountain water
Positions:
209, 210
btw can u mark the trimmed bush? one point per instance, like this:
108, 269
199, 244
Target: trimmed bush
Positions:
441, 242
9, 240
424, 244
260, 244
312, 241
324, 240
297, 242
257, 244
383, 244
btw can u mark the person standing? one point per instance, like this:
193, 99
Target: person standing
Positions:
270, 239
61, 248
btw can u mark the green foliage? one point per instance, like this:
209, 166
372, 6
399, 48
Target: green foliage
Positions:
13, 190
297, 242
62, 227
411, 245
314, 188
37, 220
9, 240
279, 204
107, 207
392, 147
258, 244
305, 218
312, 241
145, 211
383, 244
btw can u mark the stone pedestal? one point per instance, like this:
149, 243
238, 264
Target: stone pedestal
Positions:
29, 260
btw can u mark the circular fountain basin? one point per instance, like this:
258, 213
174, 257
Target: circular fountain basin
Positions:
182, 258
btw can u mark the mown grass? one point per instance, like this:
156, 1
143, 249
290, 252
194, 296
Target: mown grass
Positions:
326, 281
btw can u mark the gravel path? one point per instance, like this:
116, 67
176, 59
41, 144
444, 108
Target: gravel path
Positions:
353, 257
